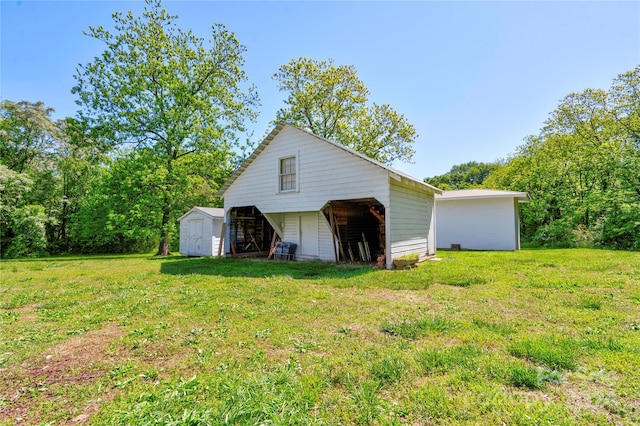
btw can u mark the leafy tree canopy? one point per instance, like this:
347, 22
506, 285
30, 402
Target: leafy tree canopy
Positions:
331, 101
463, 176
156, 86
583, 170
27, 134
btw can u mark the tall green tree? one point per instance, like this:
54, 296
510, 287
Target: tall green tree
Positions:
28, 135
622, 225
331, 101
463, 176
78, 164
22, 225
158, 87
624, 98
583, 170
120, 210
29, 139
57, 159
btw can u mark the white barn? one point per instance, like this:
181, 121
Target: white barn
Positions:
332, 202
479, 219
200, 231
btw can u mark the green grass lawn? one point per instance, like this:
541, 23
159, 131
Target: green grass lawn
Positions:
519, 338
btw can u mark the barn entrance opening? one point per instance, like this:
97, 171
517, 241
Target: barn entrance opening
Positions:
250, 234
358, 228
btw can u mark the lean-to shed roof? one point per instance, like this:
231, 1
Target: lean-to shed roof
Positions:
465, 194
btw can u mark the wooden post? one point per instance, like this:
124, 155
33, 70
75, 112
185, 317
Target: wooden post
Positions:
363, 256
224, 231
272, 247
376, 215
233, 247
335, 221
333, 232
366, 247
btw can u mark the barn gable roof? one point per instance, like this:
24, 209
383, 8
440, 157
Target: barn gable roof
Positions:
278, 128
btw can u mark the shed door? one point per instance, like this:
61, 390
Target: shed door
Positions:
195, 237
308, 234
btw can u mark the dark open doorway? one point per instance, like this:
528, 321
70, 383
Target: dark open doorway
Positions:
359, 228
250, 234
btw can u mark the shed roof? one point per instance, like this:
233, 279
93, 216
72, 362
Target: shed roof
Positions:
465, 194
212, 212
395, 173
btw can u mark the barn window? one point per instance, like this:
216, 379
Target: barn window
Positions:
288, 176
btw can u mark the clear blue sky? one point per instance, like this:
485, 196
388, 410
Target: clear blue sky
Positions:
474, 78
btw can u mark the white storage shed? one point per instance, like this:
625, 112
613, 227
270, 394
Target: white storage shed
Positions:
479, 219
200, 231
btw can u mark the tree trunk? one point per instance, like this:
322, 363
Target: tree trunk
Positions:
163, 247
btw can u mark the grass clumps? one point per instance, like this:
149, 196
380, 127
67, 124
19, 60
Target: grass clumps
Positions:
501, 329
524, 377
590, 303
137, 339
551, 351
444, 360
389, 370
531, 378
415, 329
431, 403
462, 280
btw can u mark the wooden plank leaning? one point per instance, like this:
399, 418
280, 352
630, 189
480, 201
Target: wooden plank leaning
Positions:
224, 231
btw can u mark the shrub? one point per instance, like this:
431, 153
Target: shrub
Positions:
28, 227
557, 234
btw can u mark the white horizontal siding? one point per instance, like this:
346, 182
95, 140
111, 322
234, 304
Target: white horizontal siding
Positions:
477, 224
325, 173
412, 221
324, 249
291, 232
215, 237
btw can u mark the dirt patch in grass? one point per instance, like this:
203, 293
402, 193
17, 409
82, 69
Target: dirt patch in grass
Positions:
451, 289
80, 359
598, 399
277, 355
85, 350
26, 313
578, 399
405, 296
